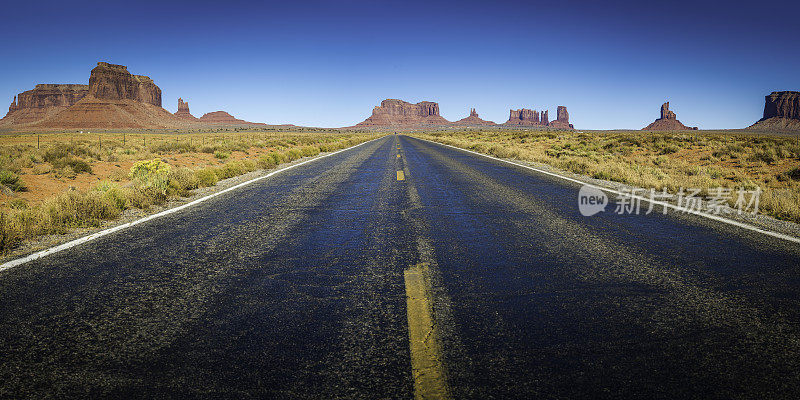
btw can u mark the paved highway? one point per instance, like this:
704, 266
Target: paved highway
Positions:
403, 267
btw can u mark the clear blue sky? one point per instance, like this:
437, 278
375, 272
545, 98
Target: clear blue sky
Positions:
328, 63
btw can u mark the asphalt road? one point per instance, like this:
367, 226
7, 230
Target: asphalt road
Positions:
319, 281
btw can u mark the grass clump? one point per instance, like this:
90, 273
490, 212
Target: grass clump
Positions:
206, 177
11, 181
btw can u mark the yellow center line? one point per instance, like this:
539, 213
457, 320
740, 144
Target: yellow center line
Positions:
401, 176
430, 380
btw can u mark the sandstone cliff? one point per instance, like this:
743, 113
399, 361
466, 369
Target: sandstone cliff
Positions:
116, 99
96, 113
667, 122
781, 112
183, 111
473, 120
43, 101
523, 116
393, 112
114, 82
562, 119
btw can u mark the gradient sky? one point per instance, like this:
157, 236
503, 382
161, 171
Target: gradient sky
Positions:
318, 63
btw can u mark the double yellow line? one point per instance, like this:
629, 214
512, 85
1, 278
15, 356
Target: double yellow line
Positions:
427, 369
427, 366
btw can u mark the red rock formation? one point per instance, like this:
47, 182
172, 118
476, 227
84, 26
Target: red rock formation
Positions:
13, 106
667, 122
183, 111
782, 105
545, 119
473, 120
523, 116
393, 112
95, 113
116, 100
781, 112
221, 117
43, 101
562, 119
114, 82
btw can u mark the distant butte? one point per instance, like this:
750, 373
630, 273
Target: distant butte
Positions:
45, 100
562, 119
394, 112
221, 117
116, 99
473, 120
113, 99
667, 122
781, 112
525, 116
528, 117
183, 111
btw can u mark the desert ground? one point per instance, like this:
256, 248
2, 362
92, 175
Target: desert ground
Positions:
57, 181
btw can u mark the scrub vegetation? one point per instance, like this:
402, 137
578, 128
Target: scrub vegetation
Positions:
659, 160
81, 180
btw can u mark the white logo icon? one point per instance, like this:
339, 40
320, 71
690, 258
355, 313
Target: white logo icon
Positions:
591, 200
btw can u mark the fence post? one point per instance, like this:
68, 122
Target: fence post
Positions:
37, 140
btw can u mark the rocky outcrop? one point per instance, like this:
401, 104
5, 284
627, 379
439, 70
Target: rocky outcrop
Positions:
473, 120
116, 99
562, 119
667, 122
221, 117
95, 113
394, 112
781, 112
528, 117
523, 116
183, 111
782, 105
114, 82
51, 95
43, 101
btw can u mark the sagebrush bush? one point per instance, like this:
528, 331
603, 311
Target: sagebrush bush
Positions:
181, 181
113, 193
310, 151
294, 154
206, 177
74, 209
65, 150
151, 173
75, 164
172, 147
12, 181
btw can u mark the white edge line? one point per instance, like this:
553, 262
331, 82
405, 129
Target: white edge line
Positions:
97, 235
661, 203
